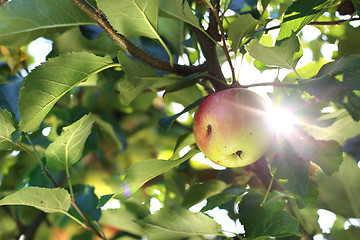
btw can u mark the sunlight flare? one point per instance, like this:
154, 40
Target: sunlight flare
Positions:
281, 120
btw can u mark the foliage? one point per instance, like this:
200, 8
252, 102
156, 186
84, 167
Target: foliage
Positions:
106, 119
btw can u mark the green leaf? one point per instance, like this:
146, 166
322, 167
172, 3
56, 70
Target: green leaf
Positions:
292, 171
179, 10
308, 218
352, 233
110, 131
44, 199
132, 17
343, 128
73, 40
121, 219
6, 129
267, 220
46, 84
185, 82
184, 223
202, 191
239, 28
103, 200
338, 82
183, 141
87, 201
172, 30
139, 77
141, 172
166, 122
9, 98
356, 4
298, 15
286, 55
327, 154
221, 198
20, 25
340, 192
67, 149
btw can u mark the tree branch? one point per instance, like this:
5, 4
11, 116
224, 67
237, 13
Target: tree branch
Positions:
222, 34
212, 65
130, 47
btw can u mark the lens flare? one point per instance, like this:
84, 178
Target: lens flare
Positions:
281, 120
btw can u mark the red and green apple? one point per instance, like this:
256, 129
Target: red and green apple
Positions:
231, 128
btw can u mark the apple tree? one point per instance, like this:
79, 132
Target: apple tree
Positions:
97, 141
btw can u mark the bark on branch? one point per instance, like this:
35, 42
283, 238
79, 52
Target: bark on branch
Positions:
130, 47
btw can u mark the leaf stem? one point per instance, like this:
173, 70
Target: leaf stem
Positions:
268, 191
76, 220
69, 182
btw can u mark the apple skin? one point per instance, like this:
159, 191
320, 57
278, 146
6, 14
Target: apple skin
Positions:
230, 127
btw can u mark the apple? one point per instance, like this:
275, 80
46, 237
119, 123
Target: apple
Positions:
231, 128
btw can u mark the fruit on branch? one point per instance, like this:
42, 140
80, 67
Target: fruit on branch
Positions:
231, 128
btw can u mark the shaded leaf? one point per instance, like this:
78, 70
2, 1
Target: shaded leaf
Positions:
141, 172
6, 129
184, 223
352, 233
9, 95
239, 28
202, 191
267, 220
46, 84
222, 198
299, 14
19, 26
72, 40
87, 201
326, 154
166, 122
186, 82
121, 219
183, 141
139, 77
343, 128
113, 131
338, 82
132, 17
172, 31
308, 218
44, 199
338, 193
104, 199
352, 147
67, 149
286, 55
179, 10
291, 170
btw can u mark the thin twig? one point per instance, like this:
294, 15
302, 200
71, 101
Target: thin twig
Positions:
83, 216
329, 23
130, 47
48, 174
43, 168
274, 84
